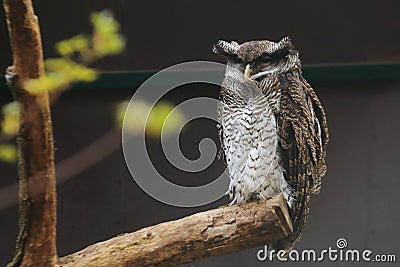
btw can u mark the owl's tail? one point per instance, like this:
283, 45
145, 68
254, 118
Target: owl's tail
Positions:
298, 214
285, 245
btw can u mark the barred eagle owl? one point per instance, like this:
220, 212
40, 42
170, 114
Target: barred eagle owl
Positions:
273, 128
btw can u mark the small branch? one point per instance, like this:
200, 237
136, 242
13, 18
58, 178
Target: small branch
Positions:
75, 164
36, 243
212, 233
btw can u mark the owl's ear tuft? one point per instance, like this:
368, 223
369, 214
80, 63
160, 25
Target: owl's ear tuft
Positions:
225, 48
281, 49
285, 43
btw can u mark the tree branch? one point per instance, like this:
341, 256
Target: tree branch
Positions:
211, 233
36, 243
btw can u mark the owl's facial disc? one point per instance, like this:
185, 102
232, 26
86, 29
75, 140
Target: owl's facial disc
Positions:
268, 63
256, 59
258, 68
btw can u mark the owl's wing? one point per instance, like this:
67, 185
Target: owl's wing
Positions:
303, 133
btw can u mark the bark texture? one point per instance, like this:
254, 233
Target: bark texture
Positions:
36, 242
211, 233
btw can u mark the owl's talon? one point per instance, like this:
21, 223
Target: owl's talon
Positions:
255, 196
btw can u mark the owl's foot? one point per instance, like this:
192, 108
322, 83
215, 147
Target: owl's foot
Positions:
256, 196
290, 196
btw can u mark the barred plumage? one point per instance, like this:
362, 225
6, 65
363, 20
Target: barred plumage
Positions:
274, 128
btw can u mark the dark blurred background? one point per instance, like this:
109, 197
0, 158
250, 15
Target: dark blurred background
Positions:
360, 191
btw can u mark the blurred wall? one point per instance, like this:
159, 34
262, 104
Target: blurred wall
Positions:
164, 33
359, 194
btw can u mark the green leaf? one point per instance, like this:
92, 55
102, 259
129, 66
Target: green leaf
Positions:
78, 43
10, 122
157, 121
47, 83
8, 153
134, 121
61, 73
106, 39
64, 71
162, 118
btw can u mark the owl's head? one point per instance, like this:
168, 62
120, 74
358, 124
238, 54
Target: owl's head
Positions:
256, 59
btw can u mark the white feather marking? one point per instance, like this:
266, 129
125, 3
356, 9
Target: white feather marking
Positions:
263, 73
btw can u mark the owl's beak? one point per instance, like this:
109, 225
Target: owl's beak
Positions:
247, 71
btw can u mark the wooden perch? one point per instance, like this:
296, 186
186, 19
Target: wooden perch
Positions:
212, 233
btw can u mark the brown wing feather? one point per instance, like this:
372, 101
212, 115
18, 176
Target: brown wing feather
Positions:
319, 113
303, 133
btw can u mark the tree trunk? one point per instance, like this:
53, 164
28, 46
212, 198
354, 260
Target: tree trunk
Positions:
36, 242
